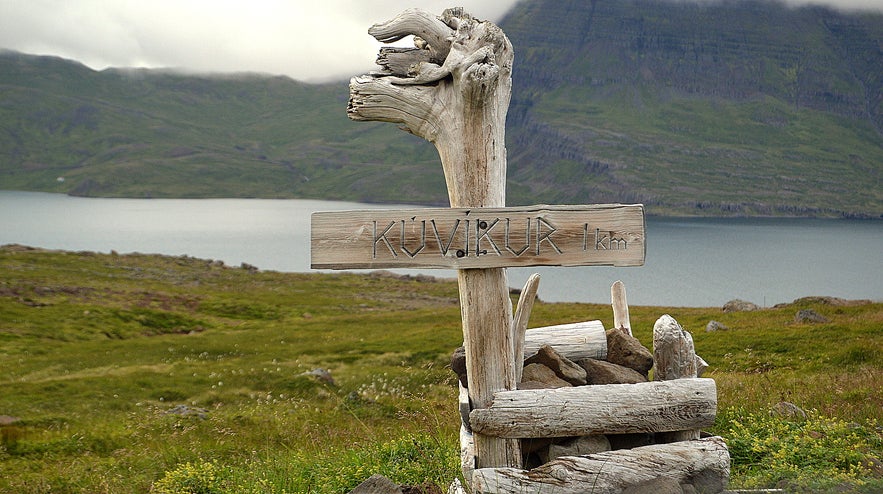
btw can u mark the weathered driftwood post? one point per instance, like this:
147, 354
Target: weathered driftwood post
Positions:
453, 90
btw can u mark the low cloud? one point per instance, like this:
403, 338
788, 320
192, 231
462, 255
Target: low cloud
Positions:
304, 40
311, 41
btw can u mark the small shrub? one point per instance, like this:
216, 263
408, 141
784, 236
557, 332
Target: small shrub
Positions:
814, 453
204, 477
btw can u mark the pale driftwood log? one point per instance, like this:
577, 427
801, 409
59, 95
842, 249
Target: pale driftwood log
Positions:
576, 341
704, 464
467, 452
458, 101
674, 357
604, 409
620, 307
519, 323
467, 441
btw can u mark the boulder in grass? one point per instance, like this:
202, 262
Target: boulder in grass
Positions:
713, 326
737, 305
377, 484
809, 316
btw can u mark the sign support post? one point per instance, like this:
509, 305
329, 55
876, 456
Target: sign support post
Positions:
453, 89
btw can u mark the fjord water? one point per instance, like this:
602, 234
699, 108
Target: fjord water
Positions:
689, 262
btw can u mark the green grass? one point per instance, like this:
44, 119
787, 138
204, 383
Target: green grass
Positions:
158, 134
96, 350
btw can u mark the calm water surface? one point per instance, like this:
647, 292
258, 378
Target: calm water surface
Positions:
690, 262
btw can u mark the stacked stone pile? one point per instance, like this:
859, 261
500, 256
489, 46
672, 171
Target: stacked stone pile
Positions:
627, 362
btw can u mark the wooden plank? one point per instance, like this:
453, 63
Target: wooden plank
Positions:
703, 464
465, 238
656, 406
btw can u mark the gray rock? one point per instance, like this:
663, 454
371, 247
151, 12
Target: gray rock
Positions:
787, 410
561, 365
321, 375
627, 351
601, 372
532, 385
715, 326
458, 365
585, 445
188, 411
539, 373
809, 316
737, 305
377, 484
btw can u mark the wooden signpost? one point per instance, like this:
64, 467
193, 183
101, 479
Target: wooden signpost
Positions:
453, 89
460, 238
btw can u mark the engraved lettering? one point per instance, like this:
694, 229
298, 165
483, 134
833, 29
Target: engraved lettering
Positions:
385, 240
546, 236
483, 225
600, 240
443, 247
606, 241
422, 239
526, 239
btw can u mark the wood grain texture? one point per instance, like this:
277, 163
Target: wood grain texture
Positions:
465, 238
620, 305
605, 409
458, 101
519, 323
576, 341
704, 464
674, 357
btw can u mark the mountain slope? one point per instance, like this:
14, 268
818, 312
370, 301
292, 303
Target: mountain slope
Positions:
729, 108
726, 108
154, 134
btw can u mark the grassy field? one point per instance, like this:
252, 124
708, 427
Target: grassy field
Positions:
138, 373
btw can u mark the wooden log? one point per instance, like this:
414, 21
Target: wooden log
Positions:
620, 308
605, 409
519, 323
467, 452
576, 341
460, 106
704, 464
674, 358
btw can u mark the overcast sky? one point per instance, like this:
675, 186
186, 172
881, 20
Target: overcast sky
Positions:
310, 40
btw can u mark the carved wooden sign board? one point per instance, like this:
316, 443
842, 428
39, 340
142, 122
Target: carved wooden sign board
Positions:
466, 238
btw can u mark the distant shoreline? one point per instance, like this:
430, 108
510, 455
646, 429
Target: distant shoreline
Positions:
832, 215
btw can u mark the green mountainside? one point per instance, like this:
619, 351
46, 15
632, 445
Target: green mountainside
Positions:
724, 108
